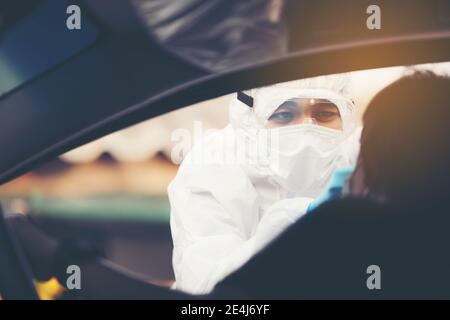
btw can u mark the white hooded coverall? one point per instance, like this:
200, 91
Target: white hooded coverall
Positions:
225, 210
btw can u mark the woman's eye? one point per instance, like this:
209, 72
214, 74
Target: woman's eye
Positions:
283, 117
324, 116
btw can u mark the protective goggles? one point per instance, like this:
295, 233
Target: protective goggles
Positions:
300, 110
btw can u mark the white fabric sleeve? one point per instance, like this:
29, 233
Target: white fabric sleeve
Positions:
276, 220
217, 223
216, 226
213, 210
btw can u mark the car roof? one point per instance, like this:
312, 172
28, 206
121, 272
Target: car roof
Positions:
128, 74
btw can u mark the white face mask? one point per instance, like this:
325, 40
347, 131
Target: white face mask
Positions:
304, 157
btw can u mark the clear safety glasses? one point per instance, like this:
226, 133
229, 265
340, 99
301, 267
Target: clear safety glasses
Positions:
322, 112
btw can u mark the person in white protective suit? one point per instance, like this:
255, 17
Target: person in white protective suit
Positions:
291, 136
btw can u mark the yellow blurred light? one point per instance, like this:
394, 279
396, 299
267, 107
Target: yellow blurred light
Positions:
49, 290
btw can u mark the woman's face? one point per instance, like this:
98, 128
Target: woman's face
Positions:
305, 110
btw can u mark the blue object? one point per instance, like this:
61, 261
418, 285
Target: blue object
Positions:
334, 187
39, 42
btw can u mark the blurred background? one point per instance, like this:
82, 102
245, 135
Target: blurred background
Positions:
113, 190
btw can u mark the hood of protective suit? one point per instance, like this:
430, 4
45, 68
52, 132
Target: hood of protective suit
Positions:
300, 158
224, 211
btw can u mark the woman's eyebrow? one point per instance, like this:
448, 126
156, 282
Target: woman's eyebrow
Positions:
326, 105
